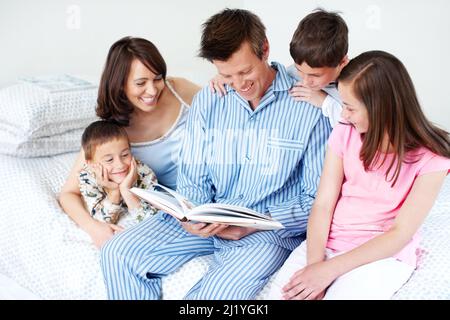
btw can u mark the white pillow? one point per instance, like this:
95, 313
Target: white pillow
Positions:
40, 147
39, 114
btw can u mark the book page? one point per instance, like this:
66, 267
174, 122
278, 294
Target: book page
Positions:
233, 215
185, 204
239, 211
161, 200
222, 216
204, 210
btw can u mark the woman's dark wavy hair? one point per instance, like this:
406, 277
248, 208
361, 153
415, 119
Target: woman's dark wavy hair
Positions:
112, 102
381, 82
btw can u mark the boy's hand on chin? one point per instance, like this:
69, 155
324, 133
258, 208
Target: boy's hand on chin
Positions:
131, 177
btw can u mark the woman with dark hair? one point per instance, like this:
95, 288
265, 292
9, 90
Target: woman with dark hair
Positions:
383, 171
135, 92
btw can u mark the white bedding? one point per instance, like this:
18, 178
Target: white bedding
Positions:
45, 252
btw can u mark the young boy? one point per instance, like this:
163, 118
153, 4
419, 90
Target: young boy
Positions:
109, 173
319, 48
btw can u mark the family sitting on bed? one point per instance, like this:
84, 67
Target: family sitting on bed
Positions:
265, 143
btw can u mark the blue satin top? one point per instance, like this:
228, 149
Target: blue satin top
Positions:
162, 154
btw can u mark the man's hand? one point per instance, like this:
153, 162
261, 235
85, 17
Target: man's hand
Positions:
302, 93
235, 233
204, 230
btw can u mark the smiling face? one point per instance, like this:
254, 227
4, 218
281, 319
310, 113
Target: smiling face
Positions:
143, 88
246, 73
317, 78
353, 110
116, 157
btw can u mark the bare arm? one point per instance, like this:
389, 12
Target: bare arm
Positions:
414, 210
186, 89
72, 203
70, 197
311, 281
323, 207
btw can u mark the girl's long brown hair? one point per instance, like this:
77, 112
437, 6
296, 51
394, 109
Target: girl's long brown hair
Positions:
381, 82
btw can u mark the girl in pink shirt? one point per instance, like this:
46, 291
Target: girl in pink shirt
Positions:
382, 173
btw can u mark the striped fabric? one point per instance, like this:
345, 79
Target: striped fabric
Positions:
269, 159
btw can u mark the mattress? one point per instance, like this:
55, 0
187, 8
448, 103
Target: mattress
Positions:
43, 250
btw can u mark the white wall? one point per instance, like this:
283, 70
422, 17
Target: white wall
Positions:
416, 31
73, 36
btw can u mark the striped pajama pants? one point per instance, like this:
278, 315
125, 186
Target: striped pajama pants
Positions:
134, 261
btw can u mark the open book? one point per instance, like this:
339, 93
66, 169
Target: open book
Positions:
181, 208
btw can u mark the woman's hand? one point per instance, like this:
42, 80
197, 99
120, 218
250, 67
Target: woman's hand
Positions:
101, 232
217, 85
310, 282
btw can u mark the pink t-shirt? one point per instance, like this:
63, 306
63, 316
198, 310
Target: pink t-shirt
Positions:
368, 204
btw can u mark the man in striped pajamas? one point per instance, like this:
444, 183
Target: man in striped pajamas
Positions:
255, 147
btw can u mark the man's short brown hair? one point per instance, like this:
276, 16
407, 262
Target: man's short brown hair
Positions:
98, 133
225, 32
320, 40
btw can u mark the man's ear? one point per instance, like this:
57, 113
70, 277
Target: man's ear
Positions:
345, 60
266, 50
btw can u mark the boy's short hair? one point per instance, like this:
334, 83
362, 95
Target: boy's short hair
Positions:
98, 133
320, 40
224, 33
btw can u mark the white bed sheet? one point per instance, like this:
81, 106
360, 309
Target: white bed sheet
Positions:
45, 252
10, 290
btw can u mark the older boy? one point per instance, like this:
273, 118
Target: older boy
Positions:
319, 48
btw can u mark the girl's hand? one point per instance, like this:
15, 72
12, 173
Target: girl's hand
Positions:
131, 177
102, 178
301, 93
101, 232
217, 85
310, 282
